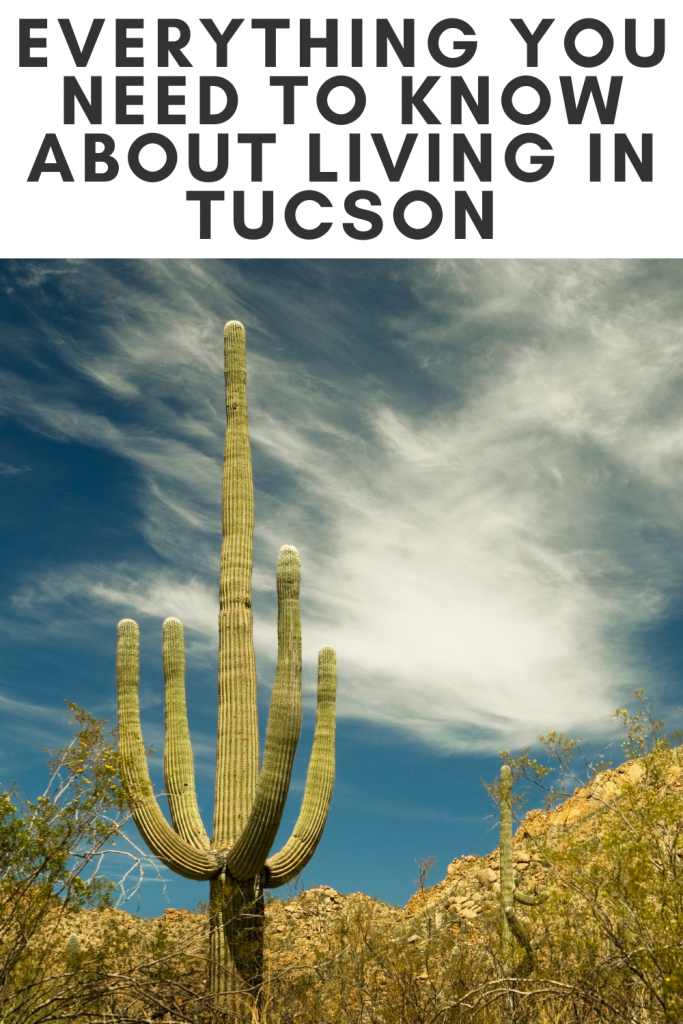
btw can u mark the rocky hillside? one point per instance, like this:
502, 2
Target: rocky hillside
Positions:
608, 937
472, 883
300, 928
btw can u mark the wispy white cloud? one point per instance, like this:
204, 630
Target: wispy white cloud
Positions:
155, 595
485, 511
33, 730
26, 709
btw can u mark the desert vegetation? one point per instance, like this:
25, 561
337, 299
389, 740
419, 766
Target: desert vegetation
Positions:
604, 942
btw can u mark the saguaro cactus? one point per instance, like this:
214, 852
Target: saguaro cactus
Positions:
511, 926
248, 803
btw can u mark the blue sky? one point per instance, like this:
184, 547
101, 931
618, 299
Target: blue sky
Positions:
480, 462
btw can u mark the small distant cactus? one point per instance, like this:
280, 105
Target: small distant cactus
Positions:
248, 803
511, 926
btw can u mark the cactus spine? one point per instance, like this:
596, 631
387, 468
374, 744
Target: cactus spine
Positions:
248, 803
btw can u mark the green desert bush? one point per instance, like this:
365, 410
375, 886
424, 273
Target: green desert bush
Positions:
612, 930
51, 854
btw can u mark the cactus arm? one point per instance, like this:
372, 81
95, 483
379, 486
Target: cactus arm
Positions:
248, 855
296, 853
237, 754
178, 759
530, 901
164, 843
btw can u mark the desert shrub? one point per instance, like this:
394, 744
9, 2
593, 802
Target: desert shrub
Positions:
612, 932
51, 853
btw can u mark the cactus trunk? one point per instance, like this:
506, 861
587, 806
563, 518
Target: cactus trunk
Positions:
237, 753
507, 880
248, 803
236, 926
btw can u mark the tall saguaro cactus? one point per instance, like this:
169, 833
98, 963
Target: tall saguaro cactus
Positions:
248, 803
